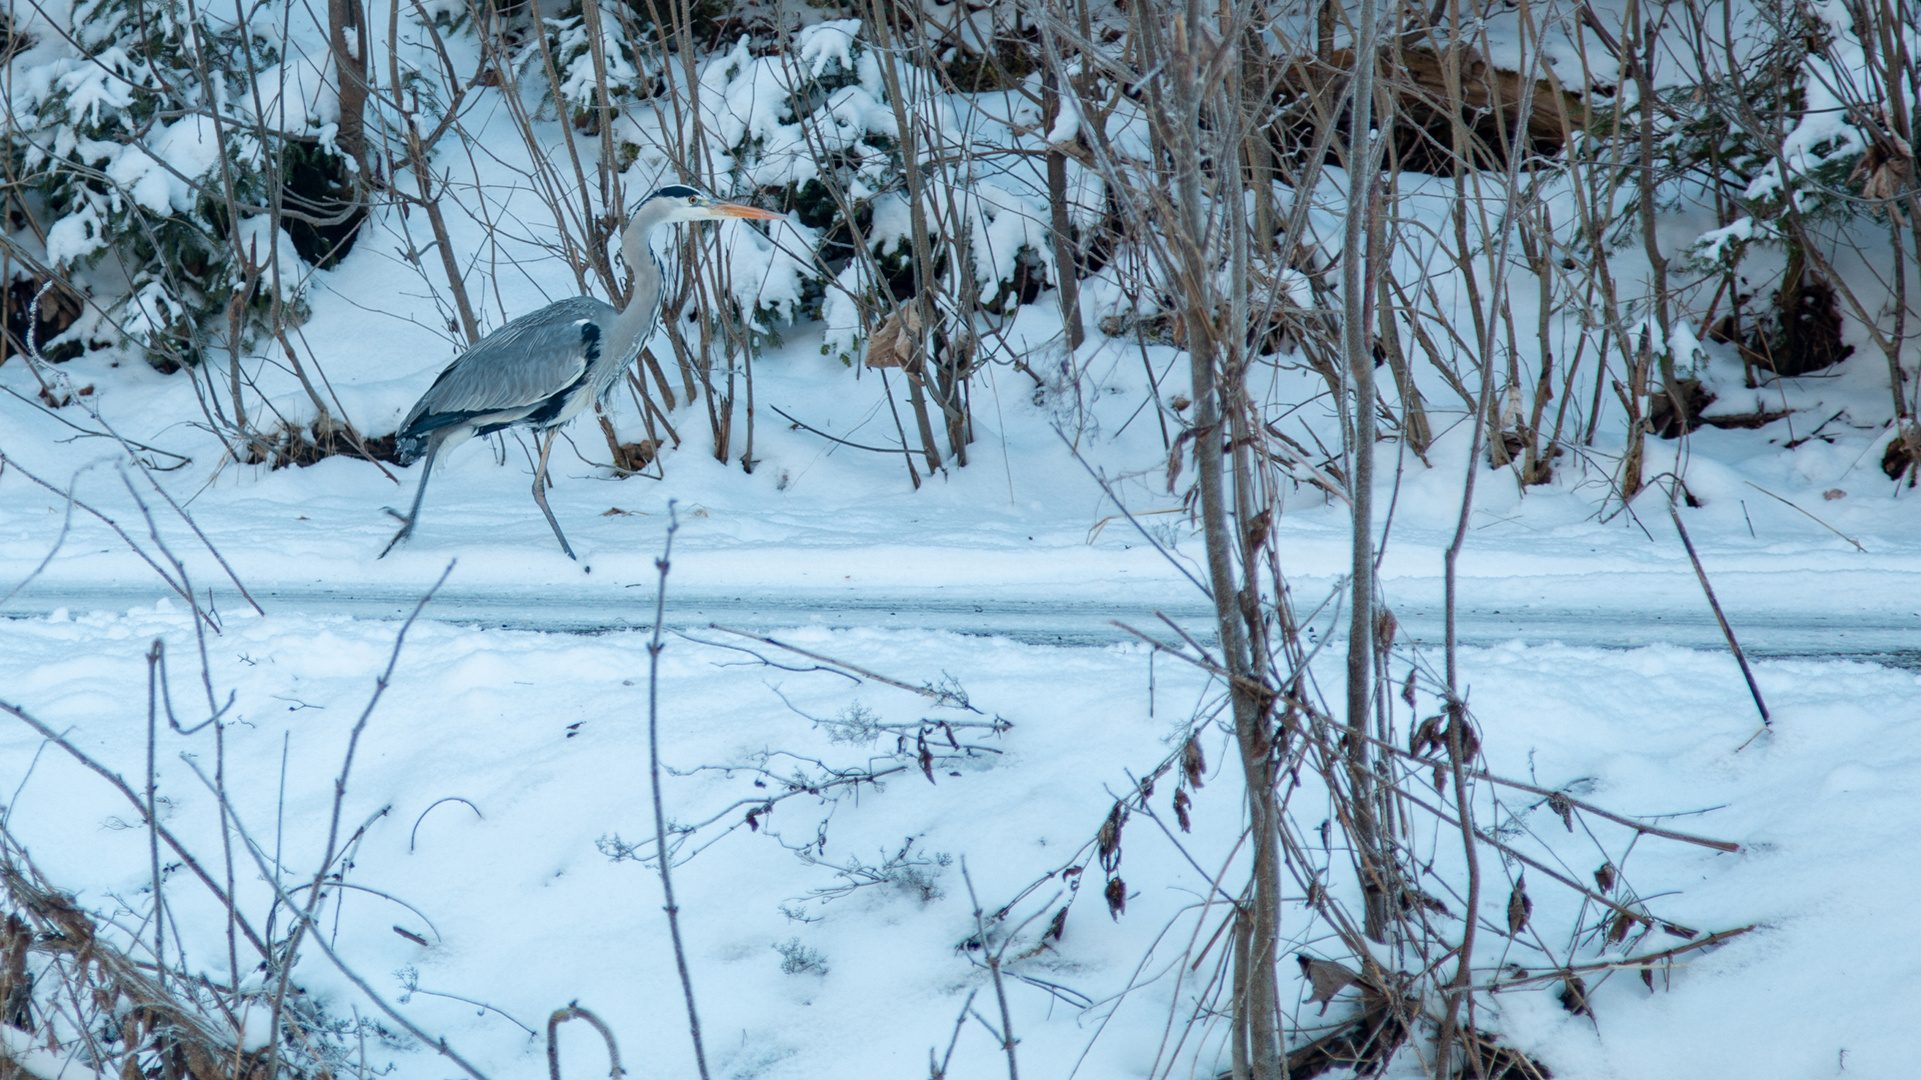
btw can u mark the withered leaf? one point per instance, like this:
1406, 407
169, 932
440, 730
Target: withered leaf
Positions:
1604, 876
1108, 840
1618, 932
1427, 734
1679, 931
1882, 173
1193, 762
1257, 530
895, 341
1326, 977
1385, 627
410, 935
1407, 689
1573, 995
1559, 804
1057, 926
1647, 976
1440, 778
926, 759
1519, 906
1116, 893
1181, 803
1470, 742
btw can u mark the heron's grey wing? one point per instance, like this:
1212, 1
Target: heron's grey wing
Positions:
515, 368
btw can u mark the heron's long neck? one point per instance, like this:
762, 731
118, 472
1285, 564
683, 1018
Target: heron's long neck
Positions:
635, 323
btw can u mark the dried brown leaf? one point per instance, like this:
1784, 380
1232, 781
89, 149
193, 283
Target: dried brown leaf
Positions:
1056, 926
1519, 906
1407, 689
1116, 893
1618, 932
1604, 876
1327, 979
1257, 530
1882, 173
1385, 627
1108, 841
1573, 995
1193, 762
1559, 804
1427, 734
1181, 803
894, 343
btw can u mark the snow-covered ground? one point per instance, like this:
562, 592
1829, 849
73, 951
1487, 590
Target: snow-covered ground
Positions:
544, 733
544, 736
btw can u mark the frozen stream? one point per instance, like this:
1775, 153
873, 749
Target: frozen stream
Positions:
1882, 633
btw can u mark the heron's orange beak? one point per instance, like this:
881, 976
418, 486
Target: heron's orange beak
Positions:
742, 210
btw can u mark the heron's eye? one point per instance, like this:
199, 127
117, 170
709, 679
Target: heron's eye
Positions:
693, 200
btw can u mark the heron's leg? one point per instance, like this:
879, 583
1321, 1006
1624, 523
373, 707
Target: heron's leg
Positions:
540, 491
407, 523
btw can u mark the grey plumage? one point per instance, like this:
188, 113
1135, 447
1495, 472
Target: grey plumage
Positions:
543, 369
514, 372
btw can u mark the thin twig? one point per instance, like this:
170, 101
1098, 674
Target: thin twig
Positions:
1733, 645
1006, 1033
573, 1011
1810, 517
660, 814
944, 697
430, 807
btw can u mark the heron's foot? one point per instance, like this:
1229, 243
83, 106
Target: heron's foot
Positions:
405, 531
398, 516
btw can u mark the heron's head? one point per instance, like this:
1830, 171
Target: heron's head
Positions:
677, 202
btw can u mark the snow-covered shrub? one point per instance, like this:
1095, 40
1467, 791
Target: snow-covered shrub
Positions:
1784, 126
134, 128
812, 127
570, 48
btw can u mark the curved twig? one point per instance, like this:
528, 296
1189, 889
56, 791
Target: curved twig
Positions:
430, 806
573, 1011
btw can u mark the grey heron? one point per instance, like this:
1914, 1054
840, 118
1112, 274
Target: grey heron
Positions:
542, 369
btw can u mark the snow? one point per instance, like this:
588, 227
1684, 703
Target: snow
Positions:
828, 43
544, 734
161, 175
1710, 245
1592, 660
76, 235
